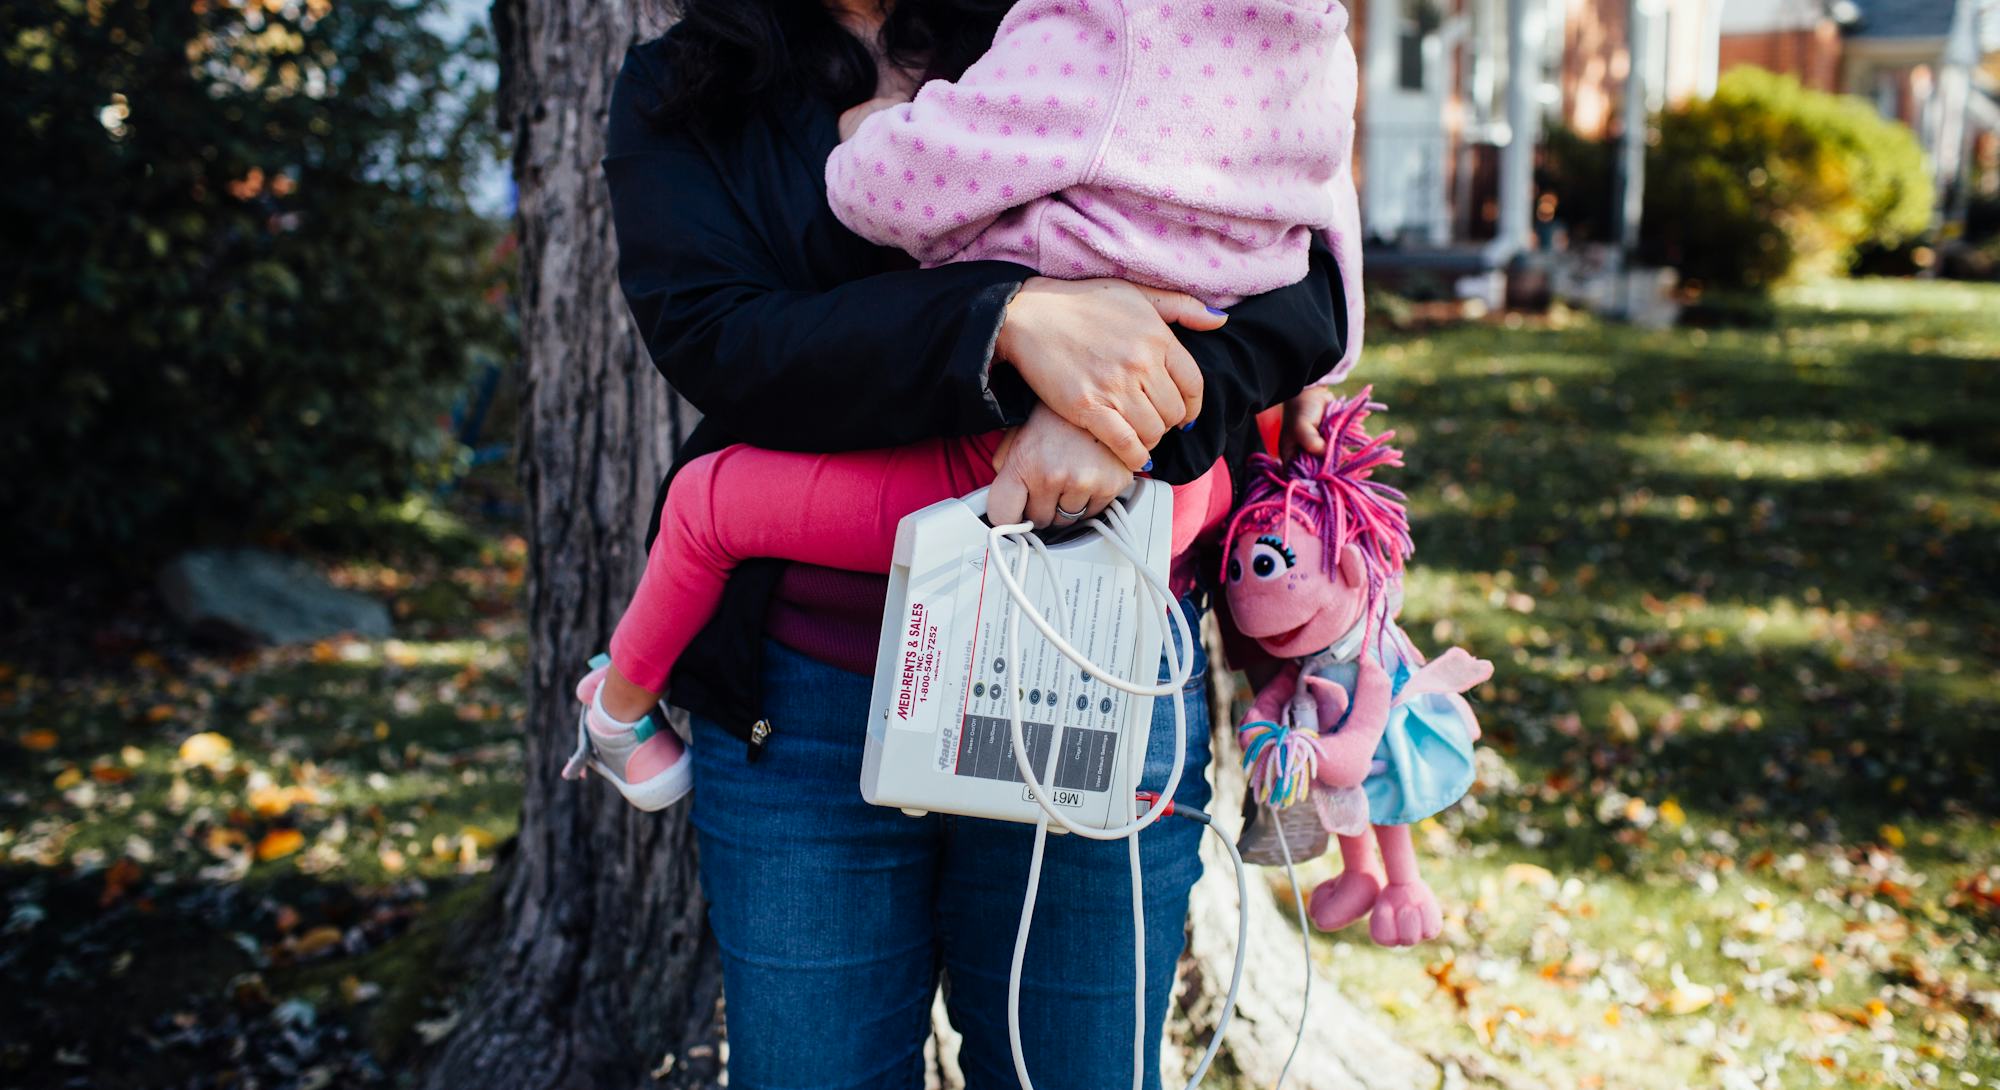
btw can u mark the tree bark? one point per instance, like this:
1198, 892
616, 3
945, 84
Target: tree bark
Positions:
598, 962
599, 968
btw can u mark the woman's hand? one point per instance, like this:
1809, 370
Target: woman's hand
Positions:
1049, 463
1302, 416
1100, 354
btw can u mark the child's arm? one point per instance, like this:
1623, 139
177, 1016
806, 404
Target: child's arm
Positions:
1303, 413
1025, 121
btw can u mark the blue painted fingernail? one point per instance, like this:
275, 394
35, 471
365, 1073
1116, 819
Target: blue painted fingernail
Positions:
1189, 426
1148, 467
1218, 311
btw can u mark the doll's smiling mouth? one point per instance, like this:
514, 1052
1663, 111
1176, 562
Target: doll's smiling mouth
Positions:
1290, 634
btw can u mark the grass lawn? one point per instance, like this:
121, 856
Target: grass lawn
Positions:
1737, 827
1742, 593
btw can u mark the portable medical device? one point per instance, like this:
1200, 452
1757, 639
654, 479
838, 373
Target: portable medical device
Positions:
967, 718
938, 727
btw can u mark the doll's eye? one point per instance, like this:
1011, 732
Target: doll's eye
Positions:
1236, 571
1269, 556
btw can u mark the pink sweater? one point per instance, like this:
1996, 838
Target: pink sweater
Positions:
1184, 144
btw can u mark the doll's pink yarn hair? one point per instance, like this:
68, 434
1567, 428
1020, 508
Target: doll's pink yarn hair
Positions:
1334, 494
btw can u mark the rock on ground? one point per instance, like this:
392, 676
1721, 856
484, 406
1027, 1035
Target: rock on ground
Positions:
264, 597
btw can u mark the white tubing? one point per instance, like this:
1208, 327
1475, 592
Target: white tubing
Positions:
1115, 528
1305, 939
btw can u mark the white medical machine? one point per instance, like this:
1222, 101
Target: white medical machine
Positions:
938, 728
968, 718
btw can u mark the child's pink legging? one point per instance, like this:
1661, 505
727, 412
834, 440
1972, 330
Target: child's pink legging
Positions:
834, 510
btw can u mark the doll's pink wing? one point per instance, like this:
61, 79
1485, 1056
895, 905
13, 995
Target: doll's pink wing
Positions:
1343, 811
1453, 672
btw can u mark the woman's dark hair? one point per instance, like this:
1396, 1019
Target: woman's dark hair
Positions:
725, 55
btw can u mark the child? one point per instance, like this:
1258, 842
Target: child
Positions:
1190, 146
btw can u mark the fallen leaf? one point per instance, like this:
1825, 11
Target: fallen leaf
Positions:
221, 840
1529, 874
1687, 997
316, 941
118, 879
206, 750
279, 843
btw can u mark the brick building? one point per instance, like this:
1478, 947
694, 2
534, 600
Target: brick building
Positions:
1440, 109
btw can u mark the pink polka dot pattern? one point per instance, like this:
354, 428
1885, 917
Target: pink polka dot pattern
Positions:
1190, 144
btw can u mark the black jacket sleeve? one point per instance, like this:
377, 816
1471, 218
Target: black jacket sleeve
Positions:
1273, 345
877, 361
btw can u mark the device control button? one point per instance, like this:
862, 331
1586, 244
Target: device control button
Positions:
1082, 703
999, 666
1034, 696
1104, 705
978, 688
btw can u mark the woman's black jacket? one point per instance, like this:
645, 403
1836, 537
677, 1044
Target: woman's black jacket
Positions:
790, 332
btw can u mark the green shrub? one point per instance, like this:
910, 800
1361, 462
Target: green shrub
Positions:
1762, 182
244, 275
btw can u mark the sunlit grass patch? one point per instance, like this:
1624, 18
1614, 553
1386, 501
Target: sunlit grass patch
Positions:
1743, 459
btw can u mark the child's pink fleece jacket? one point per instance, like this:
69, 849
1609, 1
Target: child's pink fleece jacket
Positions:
1187, 145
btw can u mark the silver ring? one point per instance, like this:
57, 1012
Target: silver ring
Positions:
1070, 515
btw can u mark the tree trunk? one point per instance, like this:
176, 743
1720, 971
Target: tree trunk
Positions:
597, 962
599, 968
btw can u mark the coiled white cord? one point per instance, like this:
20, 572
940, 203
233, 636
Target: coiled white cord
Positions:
1114, 527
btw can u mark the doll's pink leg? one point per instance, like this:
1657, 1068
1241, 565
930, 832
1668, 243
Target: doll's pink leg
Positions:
1347, 897
1407, 911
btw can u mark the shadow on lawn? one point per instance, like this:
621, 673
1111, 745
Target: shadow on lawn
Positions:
184, 929
1659, 489
294, 981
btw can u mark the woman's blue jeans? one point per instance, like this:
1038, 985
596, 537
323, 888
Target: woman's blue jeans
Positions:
838, 920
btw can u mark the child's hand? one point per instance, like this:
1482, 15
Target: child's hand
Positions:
1302, 417
853, 116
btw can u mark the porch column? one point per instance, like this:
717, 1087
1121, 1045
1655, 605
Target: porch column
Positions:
1954, 99
1517, 160
1639, 18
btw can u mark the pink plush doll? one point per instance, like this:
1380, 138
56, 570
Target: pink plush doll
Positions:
1356, 724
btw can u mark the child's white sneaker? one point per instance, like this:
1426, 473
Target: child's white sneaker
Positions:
645, 760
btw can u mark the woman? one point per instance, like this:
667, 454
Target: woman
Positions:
835, 918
